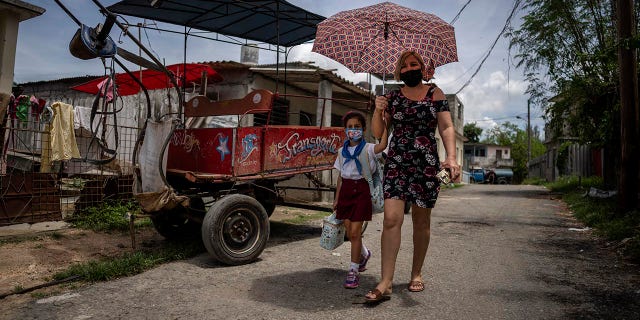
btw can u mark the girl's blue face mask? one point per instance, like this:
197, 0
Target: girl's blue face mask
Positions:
354, 134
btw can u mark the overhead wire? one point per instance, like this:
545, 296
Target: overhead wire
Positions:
459, 12
504, 28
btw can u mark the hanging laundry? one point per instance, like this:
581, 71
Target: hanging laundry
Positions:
21, 109
110, 90
63, 140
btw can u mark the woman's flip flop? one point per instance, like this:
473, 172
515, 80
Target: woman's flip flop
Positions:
376, 296
416, 286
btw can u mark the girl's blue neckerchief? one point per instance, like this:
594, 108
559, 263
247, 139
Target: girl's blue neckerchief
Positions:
348, 156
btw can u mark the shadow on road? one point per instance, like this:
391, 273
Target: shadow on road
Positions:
320, 290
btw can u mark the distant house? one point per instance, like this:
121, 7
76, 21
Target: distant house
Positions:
486, 156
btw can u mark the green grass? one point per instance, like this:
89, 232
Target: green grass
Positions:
131, 263
109, 216
114, 216
534, 181
572, 183
600, 214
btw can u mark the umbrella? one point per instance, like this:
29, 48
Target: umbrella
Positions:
371, 39
152, 79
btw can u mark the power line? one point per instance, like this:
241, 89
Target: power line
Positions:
507, 23
459, 12
503, 118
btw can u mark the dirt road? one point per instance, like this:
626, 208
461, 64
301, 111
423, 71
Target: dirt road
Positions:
497, 252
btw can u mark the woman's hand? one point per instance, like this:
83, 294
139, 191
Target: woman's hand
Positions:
453, 167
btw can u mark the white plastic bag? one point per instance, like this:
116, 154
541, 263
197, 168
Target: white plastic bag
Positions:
333, 232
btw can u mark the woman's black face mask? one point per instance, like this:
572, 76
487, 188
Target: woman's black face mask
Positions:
412, 77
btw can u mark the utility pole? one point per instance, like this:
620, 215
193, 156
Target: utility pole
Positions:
629, 115
528, 133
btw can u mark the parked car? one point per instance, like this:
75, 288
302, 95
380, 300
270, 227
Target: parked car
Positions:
491, 176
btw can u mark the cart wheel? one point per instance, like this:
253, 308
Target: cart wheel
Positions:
175, 225
266, 195
235, 229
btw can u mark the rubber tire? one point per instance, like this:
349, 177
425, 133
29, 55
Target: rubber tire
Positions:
174, 224
228, 214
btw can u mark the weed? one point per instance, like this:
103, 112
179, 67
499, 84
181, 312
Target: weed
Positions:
534, 181
109, 216
38, 295
600, 214
18, 288
131, 263
572, 183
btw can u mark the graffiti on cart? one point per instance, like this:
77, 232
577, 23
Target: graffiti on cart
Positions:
189, 142
249, 145
292, 146
222, 147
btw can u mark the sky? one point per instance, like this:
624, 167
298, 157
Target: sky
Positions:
496, 94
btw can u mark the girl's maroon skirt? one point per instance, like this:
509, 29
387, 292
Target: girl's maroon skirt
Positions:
354, 201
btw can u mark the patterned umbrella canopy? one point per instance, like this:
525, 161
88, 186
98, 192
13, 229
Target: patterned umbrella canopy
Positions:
371, 39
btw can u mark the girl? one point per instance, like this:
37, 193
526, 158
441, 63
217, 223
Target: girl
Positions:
352, 202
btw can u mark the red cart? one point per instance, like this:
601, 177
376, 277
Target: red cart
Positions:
238, 169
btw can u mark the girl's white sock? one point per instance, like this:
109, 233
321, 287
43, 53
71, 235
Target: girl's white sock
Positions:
354, 267
364, 251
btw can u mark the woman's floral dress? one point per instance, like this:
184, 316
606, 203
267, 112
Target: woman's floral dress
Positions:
412, 160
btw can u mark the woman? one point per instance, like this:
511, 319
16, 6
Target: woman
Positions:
413, 113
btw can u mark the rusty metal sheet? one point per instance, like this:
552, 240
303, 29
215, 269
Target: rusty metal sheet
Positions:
249, 151
257, 101
301, 149
28, 197
207, 150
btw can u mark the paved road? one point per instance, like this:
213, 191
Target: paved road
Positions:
497, 252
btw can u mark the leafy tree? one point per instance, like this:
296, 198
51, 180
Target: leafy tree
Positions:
568, 51
472, 132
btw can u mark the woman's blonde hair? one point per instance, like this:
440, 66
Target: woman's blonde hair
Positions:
403, 58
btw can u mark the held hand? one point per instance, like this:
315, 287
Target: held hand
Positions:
381, 104
453, 167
